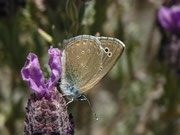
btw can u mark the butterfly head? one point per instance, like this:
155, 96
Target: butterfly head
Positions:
75, 96
81, 97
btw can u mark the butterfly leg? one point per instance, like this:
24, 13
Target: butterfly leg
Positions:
72, 99
69, 97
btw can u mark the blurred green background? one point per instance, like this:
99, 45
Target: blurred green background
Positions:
141, 94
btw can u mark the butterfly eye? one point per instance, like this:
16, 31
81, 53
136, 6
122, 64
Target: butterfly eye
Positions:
109, 54
106, 49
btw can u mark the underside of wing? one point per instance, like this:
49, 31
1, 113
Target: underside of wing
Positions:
81, 60
112, 50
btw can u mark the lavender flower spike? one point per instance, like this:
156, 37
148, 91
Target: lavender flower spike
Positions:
55, 65
46, 111
169, 18
32, 73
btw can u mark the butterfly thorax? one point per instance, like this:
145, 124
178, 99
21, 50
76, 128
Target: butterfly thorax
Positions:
70, 91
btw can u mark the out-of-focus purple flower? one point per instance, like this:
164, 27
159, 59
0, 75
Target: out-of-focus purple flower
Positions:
169, 18
46, 111
32, 73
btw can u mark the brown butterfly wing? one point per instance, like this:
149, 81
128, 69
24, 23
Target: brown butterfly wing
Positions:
81, 60
112, 50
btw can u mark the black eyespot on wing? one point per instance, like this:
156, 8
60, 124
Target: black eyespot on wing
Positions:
109, 54
106, 49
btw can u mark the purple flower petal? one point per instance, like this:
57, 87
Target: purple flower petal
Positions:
165, 19
32, 73
55, 65
175, 13
169, 18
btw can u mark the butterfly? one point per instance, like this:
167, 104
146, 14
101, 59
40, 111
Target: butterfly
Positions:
85, 61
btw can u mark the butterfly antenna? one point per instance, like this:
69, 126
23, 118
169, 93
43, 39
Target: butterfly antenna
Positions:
90, 106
